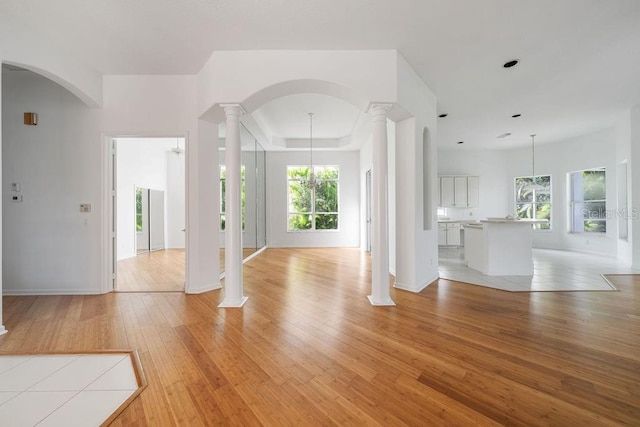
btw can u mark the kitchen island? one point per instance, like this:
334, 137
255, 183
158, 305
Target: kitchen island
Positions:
500, 247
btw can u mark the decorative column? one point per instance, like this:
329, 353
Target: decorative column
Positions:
2, 328
233, 292
380, 293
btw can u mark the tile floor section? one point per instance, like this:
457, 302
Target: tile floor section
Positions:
553, 271
63, 390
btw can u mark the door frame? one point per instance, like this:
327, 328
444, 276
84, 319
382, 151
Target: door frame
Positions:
109, 203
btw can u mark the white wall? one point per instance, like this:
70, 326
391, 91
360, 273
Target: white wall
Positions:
149, 163
495, 184
348, 234
21, 44
240, 76
416, 244
49, 246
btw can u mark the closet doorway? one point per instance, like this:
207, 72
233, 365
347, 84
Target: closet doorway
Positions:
149, 214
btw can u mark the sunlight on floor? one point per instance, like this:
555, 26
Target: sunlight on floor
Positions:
64, 389
553, 271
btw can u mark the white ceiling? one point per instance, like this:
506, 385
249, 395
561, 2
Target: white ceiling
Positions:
578, 72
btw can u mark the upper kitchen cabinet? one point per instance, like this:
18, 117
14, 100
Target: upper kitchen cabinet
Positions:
446, 191
459, 191
473, 191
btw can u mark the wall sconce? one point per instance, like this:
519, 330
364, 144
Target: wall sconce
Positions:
30, 119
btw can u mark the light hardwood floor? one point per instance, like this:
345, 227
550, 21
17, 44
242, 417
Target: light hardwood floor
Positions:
309, 349
152, 272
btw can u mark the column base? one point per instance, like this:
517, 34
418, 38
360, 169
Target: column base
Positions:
231, 304
387, 302
2, 330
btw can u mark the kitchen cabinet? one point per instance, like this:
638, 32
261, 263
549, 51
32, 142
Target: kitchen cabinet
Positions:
446, 191
473, 191
449, 234
459, 191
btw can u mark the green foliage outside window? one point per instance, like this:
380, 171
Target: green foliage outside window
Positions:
312, 208
138, 209
534, 204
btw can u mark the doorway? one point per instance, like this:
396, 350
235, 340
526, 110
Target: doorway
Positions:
149, 214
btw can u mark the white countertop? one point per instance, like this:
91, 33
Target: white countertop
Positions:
513, 221
458, 221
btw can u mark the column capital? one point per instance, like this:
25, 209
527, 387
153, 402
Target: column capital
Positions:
379, 109
233, 109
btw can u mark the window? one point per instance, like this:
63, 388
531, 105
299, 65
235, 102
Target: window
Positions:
223, 186
534, 204
312, 208
588, 201
138, 209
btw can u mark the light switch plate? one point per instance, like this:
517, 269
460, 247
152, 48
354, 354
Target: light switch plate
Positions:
85, 208
15, 186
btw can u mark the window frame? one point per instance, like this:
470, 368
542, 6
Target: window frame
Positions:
535, 203
573, 202
313, 213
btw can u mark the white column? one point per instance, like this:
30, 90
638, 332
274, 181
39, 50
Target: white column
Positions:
233, 295
380, 294
2, 329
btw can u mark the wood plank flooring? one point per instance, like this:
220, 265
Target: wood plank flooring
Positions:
309, 349
152, 272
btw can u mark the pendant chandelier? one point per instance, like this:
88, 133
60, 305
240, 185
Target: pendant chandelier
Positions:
311, 183
533, 186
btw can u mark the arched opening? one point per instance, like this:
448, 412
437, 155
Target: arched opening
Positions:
83, 96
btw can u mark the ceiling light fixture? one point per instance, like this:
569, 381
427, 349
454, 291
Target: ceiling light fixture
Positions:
443, 115
177, 148
460, 142
515, 116
510, 64
504, 135
533, 186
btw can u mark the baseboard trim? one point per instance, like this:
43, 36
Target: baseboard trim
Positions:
204, 289
34, 292
405, 287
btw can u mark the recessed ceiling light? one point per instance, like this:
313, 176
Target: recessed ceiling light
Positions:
510, 63
460, 142
504, 135
443, 115
516, 115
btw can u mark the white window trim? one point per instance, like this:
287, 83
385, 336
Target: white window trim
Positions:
571, 204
